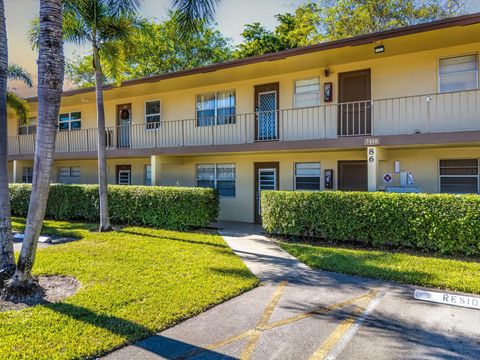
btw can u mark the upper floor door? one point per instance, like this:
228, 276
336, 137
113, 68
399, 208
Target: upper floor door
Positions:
266, 109
354, 95
124, 123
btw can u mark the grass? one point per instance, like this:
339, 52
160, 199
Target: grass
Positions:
400, 267
135, 281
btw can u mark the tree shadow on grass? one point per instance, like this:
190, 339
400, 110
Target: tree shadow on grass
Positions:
157, 344
190, 241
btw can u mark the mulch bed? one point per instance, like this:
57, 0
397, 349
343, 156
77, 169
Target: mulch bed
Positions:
50, 289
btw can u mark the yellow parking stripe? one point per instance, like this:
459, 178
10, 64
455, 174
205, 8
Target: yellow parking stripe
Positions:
341, 329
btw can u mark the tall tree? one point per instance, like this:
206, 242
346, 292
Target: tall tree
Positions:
7, 261
12, 101
159, 48
50, 81
328, 20
109, 27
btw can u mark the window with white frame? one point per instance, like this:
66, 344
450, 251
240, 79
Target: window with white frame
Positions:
458, 73
216, 108
147, 180
307, 92
152, 114
27, 127
307, 176
68, 175
70, 121
459, 176
217, 176
27, 175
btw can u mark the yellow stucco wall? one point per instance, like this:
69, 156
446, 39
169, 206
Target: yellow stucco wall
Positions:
392, 76
181, 171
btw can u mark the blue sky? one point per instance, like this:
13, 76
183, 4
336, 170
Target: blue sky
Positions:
231, 17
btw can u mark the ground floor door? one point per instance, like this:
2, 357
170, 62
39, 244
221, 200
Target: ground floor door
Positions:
266, 178
124, 174
352, 176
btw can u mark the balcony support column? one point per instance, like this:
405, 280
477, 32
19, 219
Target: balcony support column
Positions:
375, 154
15, 175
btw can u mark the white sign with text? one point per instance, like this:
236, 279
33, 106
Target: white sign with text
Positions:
449, 299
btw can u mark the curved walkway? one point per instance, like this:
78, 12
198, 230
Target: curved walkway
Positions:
300, 313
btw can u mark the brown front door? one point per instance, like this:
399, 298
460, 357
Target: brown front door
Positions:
352, 175
266, 178
266, 109
124, 123
124, 175
354, 93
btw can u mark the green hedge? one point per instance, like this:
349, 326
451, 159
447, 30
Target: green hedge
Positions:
152, 206
434, 222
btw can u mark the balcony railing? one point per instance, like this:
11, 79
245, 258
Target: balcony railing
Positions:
447, 112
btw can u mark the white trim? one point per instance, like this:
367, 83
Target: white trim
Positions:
457, 56
311, 176
157, 124
215, 179
295, 92
215, 116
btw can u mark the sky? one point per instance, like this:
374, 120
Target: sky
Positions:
231, 17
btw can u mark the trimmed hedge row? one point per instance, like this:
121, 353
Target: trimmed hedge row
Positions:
435, 222
161, 207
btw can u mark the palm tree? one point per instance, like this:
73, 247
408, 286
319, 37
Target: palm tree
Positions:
51, 65
109, 27
7, 261
20, 107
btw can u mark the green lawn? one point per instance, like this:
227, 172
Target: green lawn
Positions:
400, 267
134, 282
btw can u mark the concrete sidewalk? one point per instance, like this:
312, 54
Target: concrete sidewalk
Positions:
300, 313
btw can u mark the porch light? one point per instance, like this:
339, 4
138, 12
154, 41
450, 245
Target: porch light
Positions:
379, 49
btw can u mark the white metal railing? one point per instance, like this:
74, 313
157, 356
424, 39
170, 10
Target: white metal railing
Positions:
447, 112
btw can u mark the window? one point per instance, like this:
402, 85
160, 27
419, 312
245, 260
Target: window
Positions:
70, 121
69, 175
217, 176
148, 175
152, 114
459, 176
27, 175
27, 127
307, 176
216, 108
307, 92
458, 73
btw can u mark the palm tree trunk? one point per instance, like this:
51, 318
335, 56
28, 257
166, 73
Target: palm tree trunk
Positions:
7, 261
51, 65
102, 152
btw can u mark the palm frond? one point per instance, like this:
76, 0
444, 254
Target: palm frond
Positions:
16, 72
189, 12
120, 28
18, 105
75, 28
34, 33
122, 7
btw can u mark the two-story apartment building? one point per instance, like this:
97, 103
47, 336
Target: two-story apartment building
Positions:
392, 111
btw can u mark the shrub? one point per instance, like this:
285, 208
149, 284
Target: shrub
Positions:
160, 207
433, 222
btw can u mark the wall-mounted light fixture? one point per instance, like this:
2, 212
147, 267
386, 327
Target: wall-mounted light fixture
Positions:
327, 72
379, 49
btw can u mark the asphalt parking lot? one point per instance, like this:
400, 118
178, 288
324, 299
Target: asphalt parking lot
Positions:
299, 313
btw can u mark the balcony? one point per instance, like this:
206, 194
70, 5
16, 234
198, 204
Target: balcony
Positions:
422, 114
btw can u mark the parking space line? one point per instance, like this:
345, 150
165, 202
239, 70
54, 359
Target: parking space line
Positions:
332, 341
341, 336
